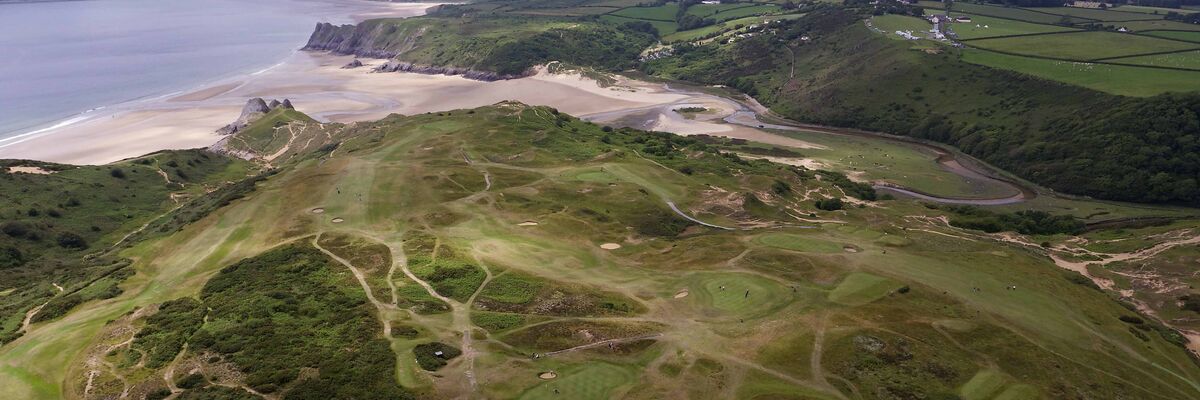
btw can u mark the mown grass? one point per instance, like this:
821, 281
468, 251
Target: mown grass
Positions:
862, 288
591, 381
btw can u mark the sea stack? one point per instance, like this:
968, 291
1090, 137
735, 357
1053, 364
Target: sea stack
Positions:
254, 109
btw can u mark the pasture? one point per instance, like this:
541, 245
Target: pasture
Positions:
982, 26
1190, 36
1188, 60
1115, 79
1098, 14
1081, 45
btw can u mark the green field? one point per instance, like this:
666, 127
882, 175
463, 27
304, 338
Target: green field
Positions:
663, 27
1191, 36
1152, 10
1081, 45
729, 25
1143, 26
1020, 14
1097, 14
1189, 60
799, 243
984, 26
665, 12
891, 23
1122, 80
593, 381
725, 12
862, 288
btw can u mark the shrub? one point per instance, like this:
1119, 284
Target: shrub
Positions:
117, 173
1131, 319
71, 241
14, 229
833, 204
427, 355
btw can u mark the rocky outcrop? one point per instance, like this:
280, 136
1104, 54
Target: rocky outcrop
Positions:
401, 66
253, 110
364, 40
355, 40
353, 64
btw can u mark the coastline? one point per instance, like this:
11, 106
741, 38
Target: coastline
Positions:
54, 122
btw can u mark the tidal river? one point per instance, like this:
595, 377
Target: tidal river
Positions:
60, 59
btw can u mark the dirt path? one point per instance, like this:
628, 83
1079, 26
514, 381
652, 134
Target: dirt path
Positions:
381, 308
602, 343
689, 218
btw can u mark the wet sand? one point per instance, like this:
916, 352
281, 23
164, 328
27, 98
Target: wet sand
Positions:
318, 86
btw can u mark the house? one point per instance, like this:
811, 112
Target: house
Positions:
1090, 4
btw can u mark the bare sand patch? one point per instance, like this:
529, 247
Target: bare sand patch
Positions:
527, 223
850, 249
318, 210
610, 246
337, 220
548, 375
29, 170
682, 293
206, 93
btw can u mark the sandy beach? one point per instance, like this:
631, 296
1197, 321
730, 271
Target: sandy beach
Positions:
319, 86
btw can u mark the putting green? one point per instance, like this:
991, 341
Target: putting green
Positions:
798, 243
742, 294
861, 288
593, 381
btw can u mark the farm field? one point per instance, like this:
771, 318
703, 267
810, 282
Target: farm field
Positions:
1020, 14
984, 26
1144, 26
1097, 14
695, 34
1193, 36
891, 23
724, 12
1081, 45
1152, 10
1122, 80
1189, 60
664, 27
665, 12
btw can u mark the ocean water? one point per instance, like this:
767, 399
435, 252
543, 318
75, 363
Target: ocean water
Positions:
60, 59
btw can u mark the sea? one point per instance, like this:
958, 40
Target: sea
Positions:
60, 60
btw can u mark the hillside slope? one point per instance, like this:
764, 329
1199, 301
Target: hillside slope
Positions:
1067, 138
435, 255
483, 48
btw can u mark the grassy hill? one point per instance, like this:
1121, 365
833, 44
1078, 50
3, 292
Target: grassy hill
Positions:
507, 46
433, 255
1066, 137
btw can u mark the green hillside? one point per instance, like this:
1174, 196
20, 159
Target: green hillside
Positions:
434, 255
1066, 137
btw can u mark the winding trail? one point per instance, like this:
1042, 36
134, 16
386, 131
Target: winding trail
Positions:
689, 218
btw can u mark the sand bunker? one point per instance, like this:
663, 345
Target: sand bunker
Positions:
682, 293
338, 220
29, 170
527, 223
850, 249
548, 375
610, 246
318, 210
